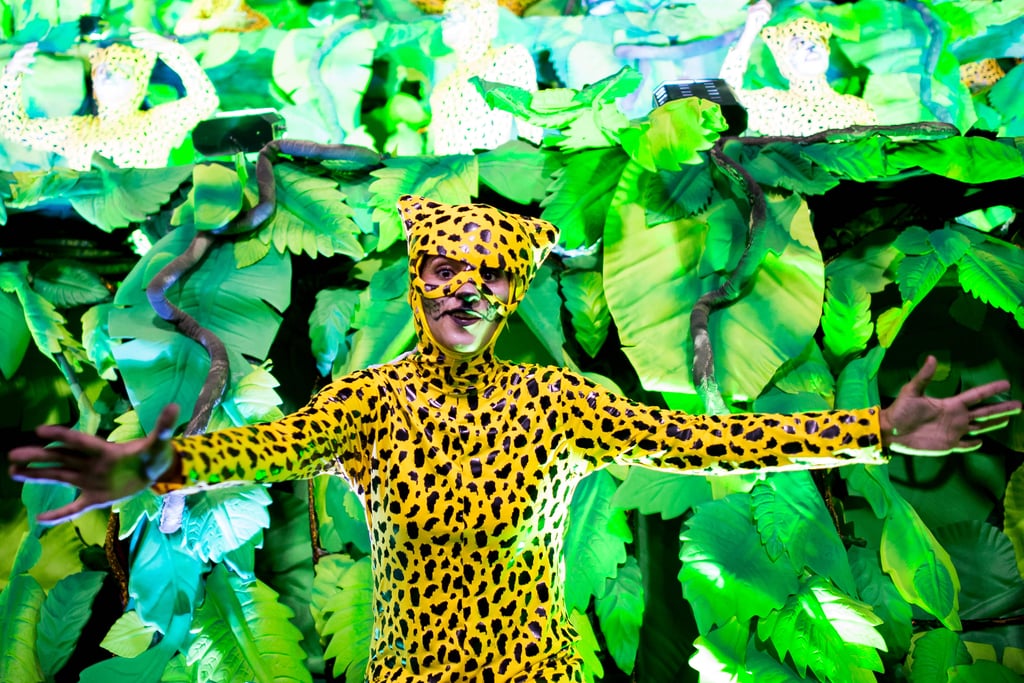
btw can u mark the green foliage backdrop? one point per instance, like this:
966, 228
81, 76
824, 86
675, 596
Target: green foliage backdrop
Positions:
873, 248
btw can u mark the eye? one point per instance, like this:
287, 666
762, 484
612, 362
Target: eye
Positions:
445, 272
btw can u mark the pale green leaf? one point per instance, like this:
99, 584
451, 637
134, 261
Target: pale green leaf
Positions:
329, 324
340, 514
20, 605
791, 520
128, 637
846, 318
933, 653
914, 241
1013, 517
15, 341
540, 310
595, 544
584, 298
244, 634
970, 160
68, 606
994, 272
252, 399
673, 134
949, 245
720, 653
164, 578
67, 283
223, 519
726, 572
129, 195
578, 199
348, 619
518, 170
667, 493
216, 196
96, 340
448, 179
621, 612
917, 275
383, 321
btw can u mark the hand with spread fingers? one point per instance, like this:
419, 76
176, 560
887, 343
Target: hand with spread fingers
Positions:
916, 424
105, 472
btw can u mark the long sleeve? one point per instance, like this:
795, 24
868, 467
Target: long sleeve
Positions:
329, 435
603, 428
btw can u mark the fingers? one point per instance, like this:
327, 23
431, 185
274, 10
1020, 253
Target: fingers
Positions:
63, 514
70, 438
986, 391
164, 427
920, 381
44, 475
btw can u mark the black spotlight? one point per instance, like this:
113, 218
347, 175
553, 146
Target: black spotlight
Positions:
713, 89
231, 132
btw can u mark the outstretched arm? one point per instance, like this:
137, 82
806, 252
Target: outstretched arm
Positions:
105, 472
48, 134
200, 96
736, 60
916, 424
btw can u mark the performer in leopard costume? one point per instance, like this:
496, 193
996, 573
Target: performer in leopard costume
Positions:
466, 464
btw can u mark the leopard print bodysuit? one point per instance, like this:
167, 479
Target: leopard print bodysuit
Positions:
466, 467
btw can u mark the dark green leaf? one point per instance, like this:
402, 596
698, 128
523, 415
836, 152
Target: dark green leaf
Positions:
860, 160
67, 607
994, 272
983, 671
247, 634
383, 321
584, 298
970, 160
341, 516
129, 195
14, 342
671, 195
784, 165
518, 170
578, 198
666, 493
68, 283
914, 241
934, 653
949, 245
621, 612
982, 552
540, 311
595, 541
1013, 519
20, 603
726, 572
917, 275
876, 589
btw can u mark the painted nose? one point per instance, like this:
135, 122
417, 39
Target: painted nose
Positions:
468, 293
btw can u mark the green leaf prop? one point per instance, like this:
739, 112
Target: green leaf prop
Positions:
450, 179
540, 310
672, 134
595, 541
340, 515
784, 165
311, 217
15, 342
620, 612
1013, 517
383, 320
20, 604
666, 493
824, 631
252, 399
858, 160
129, 195
215, 198
993, 271
846, 318
128, 637
652, 282
720, 653
584, 298
982, 552
96, 340
67, 607
221, 520
347, 614
671, 195
587, 646
164, 578
578, 199
934, 653
329, 324
67, 283
518, 170
969, 160
726, 572
792, 520
245, 634
983, 672
876, 589
162, 366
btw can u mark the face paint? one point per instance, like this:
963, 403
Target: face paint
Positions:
481, 240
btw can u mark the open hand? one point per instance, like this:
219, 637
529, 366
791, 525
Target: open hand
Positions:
105, 472
22, 60
916, 424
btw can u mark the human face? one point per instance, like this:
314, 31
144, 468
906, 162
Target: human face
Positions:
807, 57
465, 322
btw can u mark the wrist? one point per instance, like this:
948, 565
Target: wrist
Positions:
887, 430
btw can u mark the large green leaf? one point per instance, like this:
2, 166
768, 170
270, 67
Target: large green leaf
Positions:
540, 310
518, 170
671, 195
215, 198
221, 520
720, 653
587, 646
340, 515
993, 271
584, 298
311, 217
983, 671
784, 165
982, 552
673, 134
791, 519
652, 283
876, 589
244, 634
251, 399
579, 197
1013, 517
129, 195
621, 612
67, 607
666, 493
383, 320
846, 318
20, 604
969, 160
449, 179
67, 283
824, 631
96, 340
860, 160
595, 544
343, 593
159, 364
934, 653
164, 578
726, 572
17, 336
128, 637
329, 324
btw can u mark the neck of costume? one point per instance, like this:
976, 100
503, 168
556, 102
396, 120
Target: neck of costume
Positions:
466, 466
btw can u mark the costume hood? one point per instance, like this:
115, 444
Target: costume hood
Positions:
480, 236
